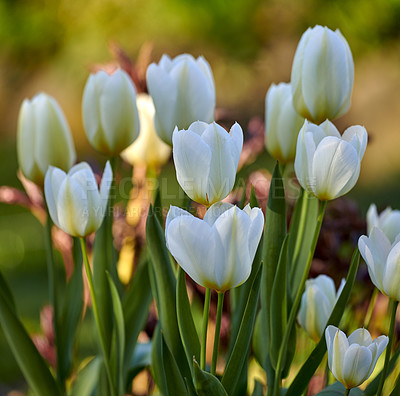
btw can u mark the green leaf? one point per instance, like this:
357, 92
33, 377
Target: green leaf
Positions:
87, 378
6, 291
301, 231
164, 289
140, 359
303, 377
71, 314
119, 333
243, 340
136, 309
274, 235
337, 389
207, 384
187, 328
31, 363
175, 383
157, 364
372, 387
258, 389
278, 313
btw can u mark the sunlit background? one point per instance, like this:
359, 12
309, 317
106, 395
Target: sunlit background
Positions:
51, 46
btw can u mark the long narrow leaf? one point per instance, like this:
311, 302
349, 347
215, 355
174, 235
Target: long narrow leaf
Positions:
187, 328
31, 363
157, 363
303, 377
87, 379
243, 340
207, 384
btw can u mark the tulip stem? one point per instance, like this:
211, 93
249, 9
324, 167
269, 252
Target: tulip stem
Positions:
296, 303
347, 392
52, 280
97, 316
393, 306
370, 310
204, 329
217, 332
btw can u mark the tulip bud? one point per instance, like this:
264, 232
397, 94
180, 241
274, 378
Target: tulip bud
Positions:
322, 75
383, 261
317, 304
352, 360
43, 138
183, 92
388, 221
327, 164
206, 159
148, 149
75, 203
110, 115
218, 251
282, 123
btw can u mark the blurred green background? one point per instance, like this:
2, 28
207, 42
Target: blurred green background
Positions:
50, 46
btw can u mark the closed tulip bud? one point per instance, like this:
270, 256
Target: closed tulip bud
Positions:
317, 304
328, 165
383, 261
322, 75
75, 203
206, 159
218, 251
148, 149
282, 123
352, 360
183, 92
388, 221
110, 115
43, 138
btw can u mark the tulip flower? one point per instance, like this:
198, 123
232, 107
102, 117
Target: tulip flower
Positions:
352, 360
383, 261
317, 304
322, 75
43, 138
110, 115
148, 149
328, 165
75, 203
206, 159
218, 251
282, 123
183, 92
388, 221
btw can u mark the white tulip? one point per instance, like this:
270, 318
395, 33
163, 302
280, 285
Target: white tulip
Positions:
183, 92
327, 164
383, 261
352, 360
148, 149
282, 123
206, 158
317, 303
388, 221
218, 251
43, 138
110, 115
322, 75
75, 203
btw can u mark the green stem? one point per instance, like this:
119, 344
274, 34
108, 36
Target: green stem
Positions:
53, 296
217, 332
370, 311
393, 307
204, 329
347, 392
296, 303
97, 316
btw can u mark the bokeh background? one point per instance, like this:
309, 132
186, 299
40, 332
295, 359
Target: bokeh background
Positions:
50, 46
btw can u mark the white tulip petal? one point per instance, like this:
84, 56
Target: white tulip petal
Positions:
215, 211
255, 231
361, 337
173, 213
391, 273
236, 141
327, 286
356, 365
105, 185
192, 158
339, 347
377, 347
53, 181
198, 127
357, 136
